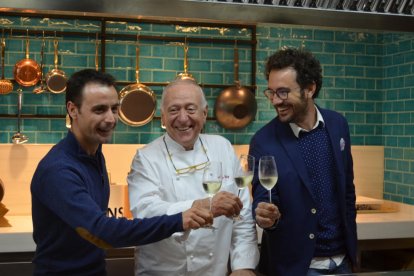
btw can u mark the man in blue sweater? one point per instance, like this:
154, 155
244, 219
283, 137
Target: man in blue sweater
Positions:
70, 190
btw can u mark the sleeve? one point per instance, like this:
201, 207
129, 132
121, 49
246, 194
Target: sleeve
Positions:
145, 190
244, 252
63, 190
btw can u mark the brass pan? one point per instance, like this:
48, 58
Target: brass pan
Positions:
27, 71
137, 101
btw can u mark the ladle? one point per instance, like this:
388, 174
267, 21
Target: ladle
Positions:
41, 88
6, 86
18, 137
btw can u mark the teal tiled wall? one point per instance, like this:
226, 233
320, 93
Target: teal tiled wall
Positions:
368, 77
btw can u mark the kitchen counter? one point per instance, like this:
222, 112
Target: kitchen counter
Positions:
372, 227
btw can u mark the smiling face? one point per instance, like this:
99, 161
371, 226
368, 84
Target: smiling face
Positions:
184, 112
298, 108
94, 121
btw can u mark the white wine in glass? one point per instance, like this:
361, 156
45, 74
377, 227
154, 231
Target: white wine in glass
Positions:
244, 175
212, 177
268, 173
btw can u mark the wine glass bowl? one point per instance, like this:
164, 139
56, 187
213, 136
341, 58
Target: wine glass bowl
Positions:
244, 175
212, 178
268, 174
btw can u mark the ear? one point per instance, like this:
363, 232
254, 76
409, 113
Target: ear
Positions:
72, 109
310, 90
205, 113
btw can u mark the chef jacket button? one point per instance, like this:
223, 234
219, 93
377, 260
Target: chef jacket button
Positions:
211, 254
313, 211
311, 236
191, 256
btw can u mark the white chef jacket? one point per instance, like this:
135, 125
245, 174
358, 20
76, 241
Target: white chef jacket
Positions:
155, 189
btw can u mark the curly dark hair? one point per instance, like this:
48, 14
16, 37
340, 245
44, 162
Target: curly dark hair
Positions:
305, 64
76, 83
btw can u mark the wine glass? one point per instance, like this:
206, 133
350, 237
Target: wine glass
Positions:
212, 177
268, 173
244, 175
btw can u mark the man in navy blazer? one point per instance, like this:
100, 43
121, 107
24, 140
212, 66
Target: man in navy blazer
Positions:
309, 227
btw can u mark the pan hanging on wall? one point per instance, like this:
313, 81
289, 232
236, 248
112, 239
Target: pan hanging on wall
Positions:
236, 106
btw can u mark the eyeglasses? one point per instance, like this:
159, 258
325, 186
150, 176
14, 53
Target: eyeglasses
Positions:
190, 168
282, 93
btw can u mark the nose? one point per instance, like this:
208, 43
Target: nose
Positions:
276, 100
111, 117
182, 115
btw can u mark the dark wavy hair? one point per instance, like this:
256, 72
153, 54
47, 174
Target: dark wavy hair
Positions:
307, 67
76, 83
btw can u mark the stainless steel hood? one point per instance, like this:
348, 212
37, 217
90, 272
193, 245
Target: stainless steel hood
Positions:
227, 12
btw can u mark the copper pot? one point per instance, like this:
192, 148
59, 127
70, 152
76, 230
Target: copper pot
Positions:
56, 79
27, 71
236, 106
137, 101
6, 86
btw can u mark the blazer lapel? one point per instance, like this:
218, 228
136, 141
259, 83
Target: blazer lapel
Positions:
289, 142
338, 148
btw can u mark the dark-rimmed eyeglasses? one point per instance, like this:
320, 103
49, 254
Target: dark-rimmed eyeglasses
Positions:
190, 168
281, 93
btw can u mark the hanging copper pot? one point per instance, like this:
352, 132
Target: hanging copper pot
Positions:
137, 101
27, 71
236, 106
56, 79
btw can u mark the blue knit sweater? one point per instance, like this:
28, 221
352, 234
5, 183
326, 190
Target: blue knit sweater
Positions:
70, 193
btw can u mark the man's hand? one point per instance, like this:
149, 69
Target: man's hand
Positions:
195, 218
267, 214
222, 204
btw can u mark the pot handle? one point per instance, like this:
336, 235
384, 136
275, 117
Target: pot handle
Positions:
27, 47
96, 53
236, 65
137, 64
55, 60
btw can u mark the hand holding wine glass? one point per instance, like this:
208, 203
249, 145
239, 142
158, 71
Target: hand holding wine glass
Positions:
268, 173
212, 178
244, 175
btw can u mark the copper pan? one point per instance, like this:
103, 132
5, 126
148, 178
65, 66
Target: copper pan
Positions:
236, 106
27, 71
56, 79
137, 101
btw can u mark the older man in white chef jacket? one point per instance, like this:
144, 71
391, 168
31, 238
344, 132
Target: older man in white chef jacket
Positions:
166, 178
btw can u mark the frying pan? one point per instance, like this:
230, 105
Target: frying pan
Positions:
26, 71
185, 74
6, 86
56, 79
236, 106
137, 101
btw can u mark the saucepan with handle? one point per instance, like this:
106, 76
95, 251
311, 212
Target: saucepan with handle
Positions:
137, 101
236, 106
27, 71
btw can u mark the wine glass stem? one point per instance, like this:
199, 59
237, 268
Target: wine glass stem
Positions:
270, 196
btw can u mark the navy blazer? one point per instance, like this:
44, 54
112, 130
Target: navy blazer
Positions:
288, 248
